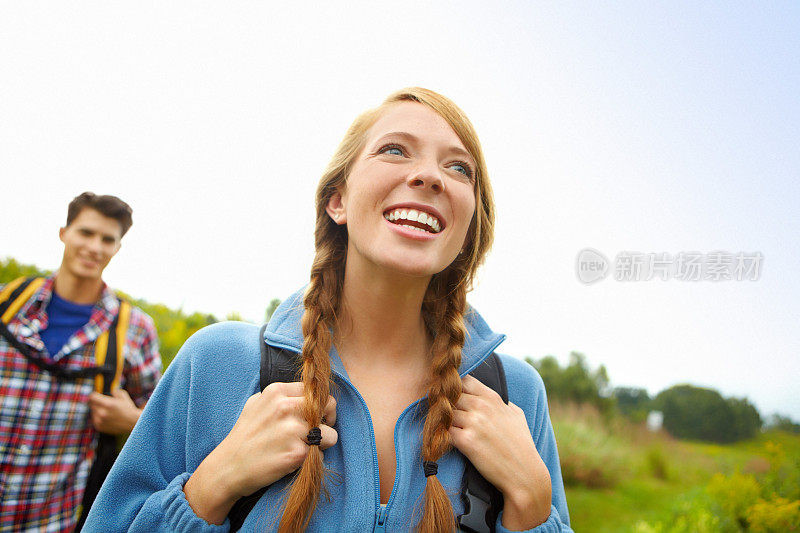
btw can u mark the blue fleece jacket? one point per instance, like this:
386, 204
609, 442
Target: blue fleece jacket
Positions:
202, 394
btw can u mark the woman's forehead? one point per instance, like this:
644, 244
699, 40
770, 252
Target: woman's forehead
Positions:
414, 119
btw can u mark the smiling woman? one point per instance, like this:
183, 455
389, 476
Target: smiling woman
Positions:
386, 419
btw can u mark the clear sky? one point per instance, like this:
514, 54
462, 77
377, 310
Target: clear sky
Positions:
649, 127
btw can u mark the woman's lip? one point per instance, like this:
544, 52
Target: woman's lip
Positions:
411, 233
419, 207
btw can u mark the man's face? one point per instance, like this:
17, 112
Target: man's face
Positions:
90, 241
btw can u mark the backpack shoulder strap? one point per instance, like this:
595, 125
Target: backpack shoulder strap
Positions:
112, 341
482, 501
277, 365
15, 294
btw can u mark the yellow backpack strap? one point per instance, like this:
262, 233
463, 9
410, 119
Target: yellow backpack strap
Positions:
122, 334
15, 294
112, 340
9, 288
100, 351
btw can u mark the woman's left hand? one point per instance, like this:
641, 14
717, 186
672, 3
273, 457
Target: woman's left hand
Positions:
495, 437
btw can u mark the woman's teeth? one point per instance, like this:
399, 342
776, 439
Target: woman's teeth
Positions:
419, 219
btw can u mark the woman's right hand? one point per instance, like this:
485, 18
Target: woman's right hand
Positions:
267, 442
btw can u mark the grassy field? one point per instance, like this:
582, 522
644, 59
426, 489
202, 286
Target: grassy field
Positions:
621, 477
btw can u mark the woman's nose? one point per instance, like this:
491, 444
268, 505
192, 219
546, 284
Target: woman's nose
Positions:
427, 177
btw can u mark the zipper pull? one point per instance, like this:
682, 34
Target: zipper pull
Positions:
380, 520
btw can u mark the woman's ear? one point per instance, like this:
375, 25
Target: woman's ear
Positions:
336, 209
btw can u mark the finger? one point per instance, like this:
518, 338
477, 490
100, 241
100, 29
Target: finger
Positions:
458, 438
460, 418
96, 399
122, 394
329, 417
475, 387
329, 436
295, 388
467, 402
286, 406
472, 385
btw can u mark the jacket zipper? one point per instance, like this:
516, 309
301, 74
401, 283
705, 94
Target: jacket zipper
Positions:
380, 519
381, 512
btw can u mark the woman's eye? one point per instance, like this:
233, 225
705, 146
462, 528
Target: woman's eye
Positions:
391, 149
464, 169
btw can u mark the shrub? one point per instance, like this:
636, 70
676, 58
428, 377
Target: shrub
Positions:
734, 495
657, 463
688, 517
773, 516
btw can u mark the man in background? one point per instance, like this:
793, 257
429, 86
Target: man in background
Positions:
51, 416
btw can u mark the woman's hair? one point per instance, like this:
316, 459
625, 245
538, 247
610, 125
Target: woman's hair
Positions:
443, 310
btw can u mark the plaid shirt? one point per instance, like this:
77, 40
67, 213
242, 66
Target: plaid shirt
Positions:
47, 442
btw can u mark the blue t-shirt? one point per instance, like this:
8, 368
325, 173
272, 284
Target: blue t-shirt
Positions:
64, 319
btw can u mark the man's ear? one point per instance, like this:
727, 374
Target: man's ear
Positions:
336, 208
61, 232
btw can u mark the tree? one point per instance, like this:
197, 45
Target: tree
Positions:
746, 420
695, 413
633, 402
11, 269
784, 423
575, 382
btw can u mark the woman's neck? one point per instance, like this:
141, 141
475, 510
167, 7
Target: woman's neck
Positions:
380, 322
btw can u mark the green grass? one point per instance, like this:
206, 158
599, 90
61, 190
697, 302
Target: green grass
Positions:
647, 474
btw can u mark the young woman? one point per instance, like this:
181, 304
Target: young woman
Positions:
379, 428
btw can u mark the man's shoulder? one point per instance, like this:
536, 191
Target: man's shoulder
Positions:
141, 326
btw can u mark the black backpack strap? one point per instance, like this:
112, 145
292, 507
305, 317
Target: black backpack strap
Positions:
106, 450
277, 365
111, 355
482, 501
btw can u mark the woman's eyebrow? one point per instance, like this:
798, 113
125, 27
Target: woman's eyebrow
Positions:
404, 134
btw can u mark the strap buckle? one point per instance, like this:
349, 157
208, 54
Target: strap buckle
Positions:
476, 512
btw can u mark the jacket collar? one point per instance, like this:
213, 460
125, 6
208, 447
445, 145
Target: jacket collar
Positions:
283, 331
34, 313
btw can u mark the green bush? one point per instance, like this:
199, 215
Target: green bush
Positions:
774, 516
734, 495
657, 463
688, 517
696, 413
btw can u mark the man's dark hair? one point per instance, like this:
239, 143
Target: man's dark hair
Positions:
107, 205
